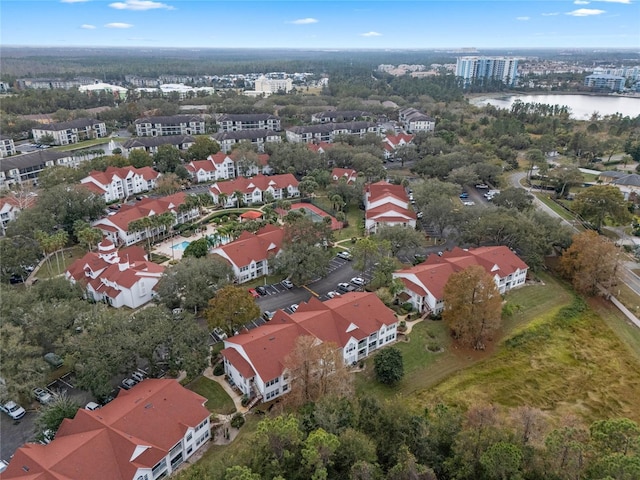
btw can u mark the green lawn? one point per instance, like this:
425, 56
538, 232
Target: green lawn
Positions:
562, 360
354, 215
54, 267
81, 145
219, 401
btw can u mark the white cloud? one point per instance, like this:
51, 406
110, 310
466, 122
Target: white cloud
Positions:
585, 12
550, 14
140, 5
304, 21
371, 34
524, 19
87, 26
118, 25
581, 2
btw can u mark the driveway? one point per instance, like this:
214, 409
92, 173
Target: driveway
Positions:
14, 434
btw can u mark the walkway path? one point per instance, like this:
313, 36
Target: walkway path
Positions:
235, 396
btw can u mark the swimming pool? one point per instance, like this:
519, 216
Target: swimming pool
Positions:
181, 245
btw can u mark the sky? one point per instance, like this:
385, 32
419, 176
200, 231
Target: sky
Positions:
322, 24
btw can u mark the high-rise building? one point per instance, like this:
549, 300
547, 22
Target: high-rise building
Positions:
479, 69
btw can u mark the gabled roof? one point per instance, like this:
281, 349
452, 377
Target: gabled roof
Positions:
259, 182
390, 212
319, 147
77, 123
397, 139
435, 271
249, 134
383, 189
253, 246
170, 120
121, 173
133, 431
246, 117
331, 127
150, 142
631, 180
352, 315
141, 209
348, 174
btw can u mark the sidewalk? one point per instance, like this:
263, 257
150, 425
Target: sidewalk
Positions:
236, 397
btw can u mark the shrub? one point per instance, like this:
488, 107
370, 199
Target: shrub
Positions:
237, 420
218, 369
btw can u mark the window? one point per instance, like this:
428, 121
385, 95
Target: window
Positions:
189, 437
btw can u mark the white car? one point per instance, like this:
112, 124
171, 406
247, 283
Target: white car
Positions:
92, 406
294, 307
3, 465
287, 284
14, 410
42, 396
344, 255
419, 215
333, 294
468, 203
358, 281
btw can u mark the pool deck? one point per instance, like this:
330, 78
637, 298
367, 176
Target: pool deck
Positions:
165, 248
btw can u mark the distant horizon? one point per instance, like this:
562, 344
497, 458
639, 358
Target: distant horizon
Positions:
322, 25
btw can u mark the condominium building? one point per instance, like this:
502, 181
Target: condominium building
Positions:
605, 81
170, 125
480, 69
73, 131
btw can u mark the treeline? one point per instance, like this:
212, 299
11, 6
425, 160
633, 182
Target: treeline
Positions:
33, 101
365, 438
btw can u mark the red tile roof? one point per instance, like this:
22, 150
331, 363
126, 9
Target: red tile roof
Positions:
347, 173
388, 212
144, 208
258, 182
253, 246
251, 215
149, 420
322, 146
435, 271
397, 139
383, 189
106, 177
355, 314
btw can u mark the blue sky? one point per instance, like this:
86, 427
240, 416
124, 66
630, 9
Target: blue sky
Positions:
376, 24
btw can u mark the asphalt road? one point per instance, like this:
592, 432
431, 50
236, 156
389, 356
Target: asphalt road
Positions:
14, 434
625, 274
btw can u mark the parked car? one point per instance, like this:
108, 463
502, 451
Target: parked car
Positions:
333, 294
92, 406
287, 283
54, 360
137, 376
469, 203
42, 395
261, 290
12, 409
220, 333
3, 465
419, 215
254, 293
345, 287
345, 255
464, 195
128, 383
268, 315
359, 281
294, 307
482, 186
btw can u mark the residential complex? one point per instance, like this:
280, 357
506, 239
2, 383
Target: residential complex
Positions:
340, 116
357, 323
257, 137
250, 121
387, 205
120, 278
171, 125
222, 166
151, 144
73, 131
7, 147
117, 227
327, 132
249, 255
415, 121
146, 433
480, 69
424, 283
27, 167
604, 81
118, 183
252, 190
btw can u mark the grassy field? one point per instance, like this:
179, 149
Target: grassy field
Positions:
219, 401
425, 368
569, 358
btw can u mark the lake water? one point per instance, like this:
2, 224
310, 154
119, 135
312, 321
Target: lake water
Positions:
582, 106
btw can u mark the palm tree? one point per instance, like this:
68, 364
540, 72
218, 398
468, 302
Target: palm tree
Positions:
222, 199
239, 196
46, 244
59, 240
